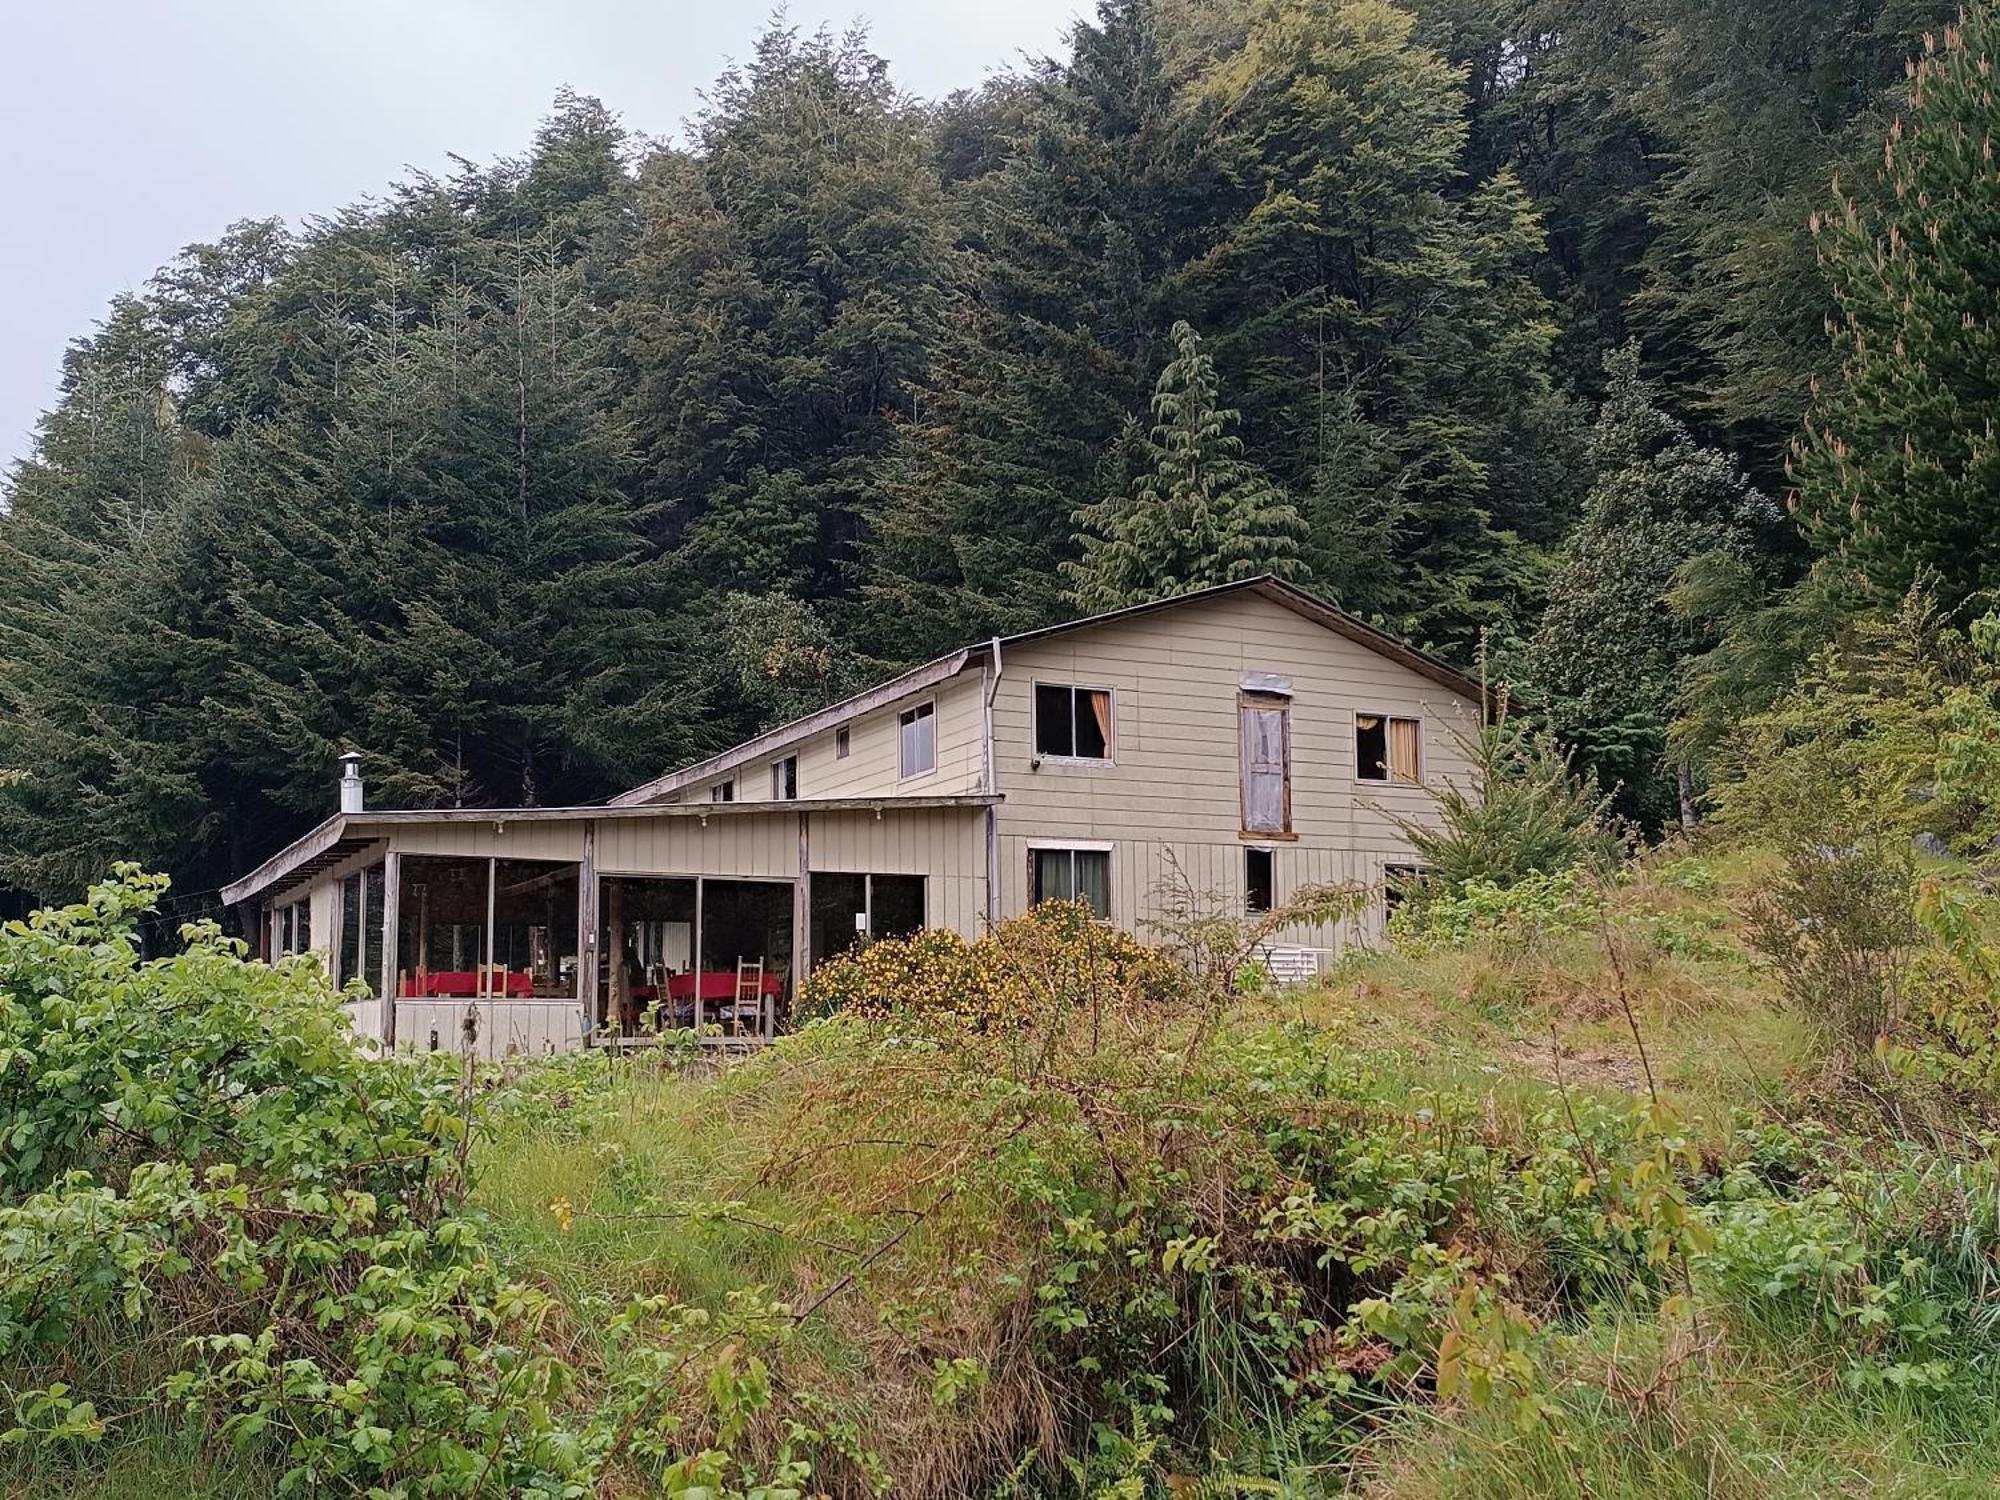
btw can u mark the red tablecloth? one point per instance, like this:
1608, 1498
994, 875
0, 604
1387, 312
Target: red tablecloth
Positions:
463, 984
716, 984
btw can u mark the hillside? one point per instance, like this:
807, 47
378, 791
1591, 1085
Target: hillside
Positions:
1559, 1197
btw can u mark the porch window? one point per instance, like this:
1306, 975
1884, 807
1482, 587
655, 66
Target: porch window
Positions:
1072, 723
1260, 880
1385, 749
1266, 736
847, 909
1073, 875
722, 791
916, 732
361, 929
785, 779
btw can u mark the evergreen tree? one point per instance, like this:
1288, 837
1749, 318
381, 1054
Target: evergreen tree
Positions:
1608, 654
1198, 515
1055, 331
1391, 347
1899, 466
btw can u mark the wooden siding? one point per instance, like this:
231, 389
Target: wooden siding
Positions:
744, 844
870, 766
946, 845
1175, 679
531, 838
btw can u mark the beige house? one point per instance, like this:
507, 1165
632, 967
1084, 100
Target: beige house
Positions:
1238, 742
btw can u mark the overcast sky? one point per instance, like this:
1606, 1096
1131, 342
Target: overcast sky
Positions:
130, 129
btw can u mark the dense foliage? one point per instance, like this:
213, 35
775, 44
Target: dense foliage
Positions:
536, 477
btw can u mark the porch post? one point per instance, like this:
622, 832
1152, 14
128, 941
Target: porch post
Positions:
586, 937
392, 891
801, 921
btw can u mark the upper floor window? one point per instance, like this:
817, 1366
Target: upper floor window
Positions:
722, 791
1385, 749
843, 741
916, 740
785, 779
1265, 723
1072, 722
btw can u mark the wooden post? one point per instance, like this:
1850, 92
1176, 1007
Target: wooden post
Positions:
801, 922
392, 883
586, 931
700, 886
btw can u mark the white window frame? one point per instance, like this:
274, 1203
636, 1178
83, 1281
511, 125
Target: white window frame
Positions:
723, 791
1386, 716
911, 713
843, 742
778, 792
1110, 755
1077, 846
1270, 852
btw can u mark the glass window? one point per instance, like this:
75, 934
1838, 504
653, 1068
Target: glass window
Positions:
785, 779
917, 740
1260, 880
371, 929
1072, 722
895, 905
1386, 749
1267, 763
350, 929
302, 931
722, 791
842, 742
1074, 875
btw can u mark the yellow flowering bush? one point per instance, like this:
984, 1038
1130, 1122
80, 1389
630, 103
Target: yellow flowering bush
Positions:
1055, 958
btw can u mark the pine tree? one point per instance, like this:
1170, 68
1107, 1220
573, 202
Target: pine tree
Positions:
1198, 515
1607, 657
1898, 469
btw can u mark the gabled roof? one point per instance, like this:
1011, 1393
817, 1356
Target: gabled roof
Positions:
917, 679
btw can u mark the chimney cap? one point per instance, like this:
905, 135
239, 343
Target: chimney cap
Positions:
350, 762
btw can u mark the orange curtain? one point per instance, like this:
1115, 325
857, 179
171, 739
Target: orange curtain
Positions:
1403, 750
1100, 710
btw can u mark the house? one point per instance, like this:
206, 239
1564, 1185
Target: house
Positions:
1243, 741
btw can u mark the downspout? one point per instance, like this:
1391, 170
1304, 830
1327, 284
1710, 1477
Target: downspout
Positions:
992, 786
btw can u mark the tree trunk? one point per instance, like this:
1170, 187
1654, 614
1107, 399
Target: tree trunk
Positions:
1684, 780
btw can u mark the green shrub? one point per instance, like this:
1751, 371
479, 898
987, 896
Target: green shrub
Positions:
1532, 907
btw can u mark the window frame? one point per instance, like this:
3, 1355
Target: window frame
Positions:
1389, 778
1046, 757
723, 790
1071, 847
785, 778
1248, 700
925, 709
843, 742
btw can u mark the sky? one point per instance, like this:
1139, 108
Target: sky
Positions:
130, 129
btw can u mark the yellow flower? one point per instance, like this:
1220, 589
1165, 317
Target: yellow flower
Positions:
565, 1215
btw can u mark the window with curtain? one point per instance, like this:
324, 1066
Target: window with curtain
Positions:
1387, 749
785, 779
1074, 875
1073, 723
916, 740
722, 791
1267, 762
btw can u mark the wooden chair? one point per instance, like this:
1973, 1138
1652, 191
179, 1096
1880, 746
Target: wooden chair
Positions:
749, 991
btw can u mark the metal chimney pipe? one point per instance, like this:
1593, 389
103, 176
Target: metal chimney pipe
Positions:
350, 782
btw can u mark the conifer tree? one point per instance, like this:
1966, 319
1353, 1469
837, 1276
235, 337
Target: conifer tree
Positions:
1898, 469
1198, 514
1608, 656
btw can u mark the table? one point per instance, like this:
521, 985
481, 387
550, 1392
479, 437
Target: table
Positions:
463, 984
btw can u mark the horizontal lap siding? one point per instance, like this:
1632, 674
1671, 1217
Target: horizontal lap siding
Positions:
1174, 782
873, 760
945, 845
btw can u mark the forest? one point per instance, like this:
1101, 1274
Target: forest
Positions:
1631, 350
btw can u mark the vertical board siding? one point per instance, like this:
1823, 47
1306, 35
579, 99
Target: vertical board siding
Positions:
747, 844
531, 838
946, 845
